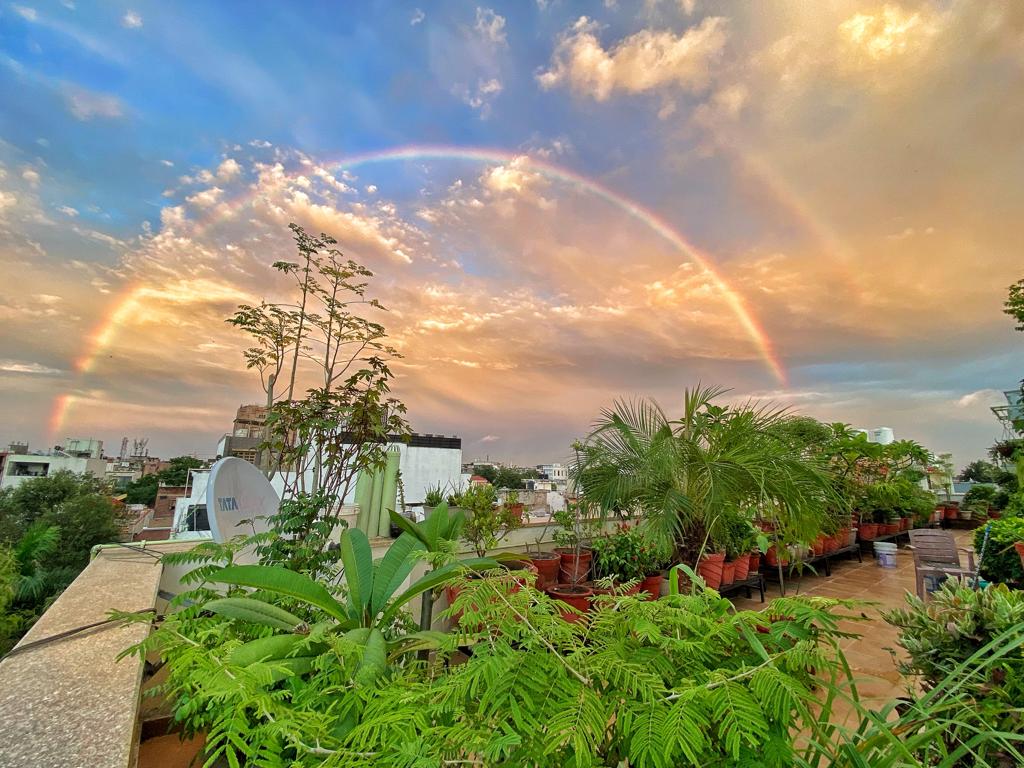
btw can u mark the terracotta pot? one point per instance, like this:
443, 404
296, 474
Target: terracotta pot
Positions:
728, 572
652, 585
525, 566
710, 569
767, 526
772, 557
995, 515
615, 589
949, 512
517, 511
755, 562
868, 531
831, 544
574, 568
1019, 546
742, 565
818, 547
908, 522
547, 565
576, 596
888, 529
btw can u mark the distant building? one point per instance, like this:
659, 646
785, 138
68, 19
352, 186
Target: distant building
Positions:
882, 435
555, 472
166, 496
18, 465
246, 433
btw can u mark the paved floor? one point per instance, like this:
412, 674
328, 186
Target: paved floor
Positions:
874, 666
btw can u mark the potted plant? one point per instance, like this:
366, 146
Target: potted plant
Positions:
617, 558
486, 522
867, 529
711, 563
576, 595
433, 499
740, 537
515, 507
653, 563
547, 565
574, 527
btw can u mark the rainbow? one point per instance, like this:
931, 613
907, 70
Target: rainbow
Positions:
107, 329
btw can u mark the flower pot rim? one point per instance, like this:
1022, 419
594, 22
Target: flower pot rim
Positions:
575, 590
545, 555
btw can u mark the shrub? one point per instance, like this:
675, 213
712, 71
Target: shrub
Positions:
1001, 563
620, 555
955, 626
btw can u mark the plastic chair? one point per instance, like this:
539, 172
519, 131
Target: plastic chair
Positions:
936, 554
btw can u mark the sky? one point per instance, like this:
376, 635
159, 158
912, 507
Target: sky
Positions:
563, 203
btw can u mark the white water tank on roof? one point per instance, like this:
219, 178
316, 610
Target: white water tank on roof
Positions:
883, 435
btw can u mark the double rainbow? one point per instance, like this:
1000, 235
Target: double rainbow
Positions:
105, 333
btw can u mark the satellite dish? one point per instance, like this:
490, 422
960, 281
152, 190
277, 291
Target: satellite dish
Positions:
235, 492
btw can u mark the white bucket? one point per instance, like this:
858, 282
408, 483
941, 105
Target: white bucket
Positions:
886, 553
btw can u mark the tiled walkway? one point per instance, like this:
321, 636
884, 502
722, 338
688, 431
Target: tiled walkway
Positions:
878, 680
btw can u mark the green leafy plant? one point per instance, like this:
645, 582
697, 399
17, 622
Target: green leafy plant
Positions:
487, 522
1001, 563
620, 555
434, 496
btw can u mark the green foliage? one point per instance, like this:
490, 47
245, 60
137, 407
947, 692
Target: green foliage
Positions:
623, 555
434, 496
49, 526
734, 534
979, 497
680, 681
142, 491
1001, 562
680, 474
980, 471
958, 622
487, 522
1014, 306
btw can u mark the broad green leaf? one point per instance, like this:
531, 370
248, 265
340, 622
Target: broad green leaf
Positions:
253, 611
434, 579
290, 667
357, 558
274, 578
407, 525
424, 640
265, 649
392, 570
374, 660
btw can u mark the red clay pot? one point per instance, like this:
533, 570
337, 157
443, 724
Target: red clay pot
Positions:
1019, 546
574, 568
524, 566
995, 515
818, 546
742, 565
887, 529
709, 568
547, 565
949, 512
755, 562
652, 585
908, 523
728, 572
575, 595
868, 531
831, 544
772, 557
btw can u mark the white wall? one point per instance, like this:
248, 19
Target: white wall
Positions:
53, 464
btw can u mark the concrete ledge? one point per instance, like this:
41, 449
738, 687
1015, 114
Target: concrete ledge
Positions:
68, 703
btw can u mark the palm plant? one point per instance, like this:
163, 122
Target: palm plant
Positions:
680, 474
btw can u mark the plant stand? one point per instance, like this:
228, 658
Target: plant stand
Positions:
755, 580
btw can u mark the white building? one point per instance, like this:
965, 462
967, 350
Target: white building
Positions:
882, 435
425, 461
554, 472
18, 465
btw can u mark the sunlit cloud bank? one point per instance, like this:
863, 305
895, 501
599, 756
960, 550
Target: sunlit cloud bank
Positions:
823, 210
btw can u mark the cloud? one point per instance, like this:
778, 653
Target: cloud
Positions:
31, 175
490, 439
490, 26
644, 61
7, 200
34, 369
131, 20
417, 17
228, 169
981, 397
29, 14
206, 198
88, 105
482, 97
68, 211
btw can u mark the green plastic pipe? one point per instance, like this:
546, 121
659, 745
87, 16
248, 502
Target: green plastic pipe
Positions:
378, 489
364, 498
389, 491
